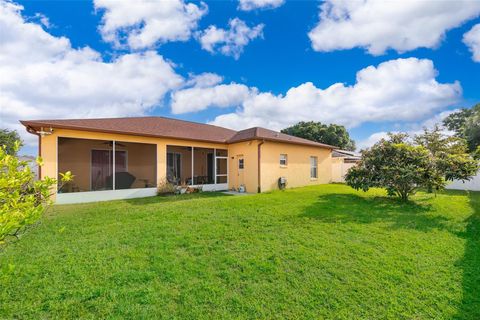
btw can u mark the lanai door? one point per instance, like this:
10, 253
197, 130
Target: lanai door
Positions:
240, 170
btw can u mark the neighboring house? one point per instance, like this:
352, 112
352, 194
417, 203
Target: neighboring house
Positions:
472, 185
343, 160
147, 151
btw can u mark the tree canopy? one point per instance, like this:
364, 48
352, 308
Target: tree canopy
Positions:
466, 124
403, 166
8, 139
331, 134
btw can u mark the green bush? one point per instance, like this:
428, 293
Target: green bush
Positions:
22, 198
402, 167
165, 187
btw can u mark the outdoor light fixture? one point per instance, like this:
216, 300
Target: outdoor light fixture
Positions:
43, 133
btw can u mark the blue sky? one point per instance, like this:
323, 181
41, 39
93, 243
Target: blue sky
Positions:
280, 57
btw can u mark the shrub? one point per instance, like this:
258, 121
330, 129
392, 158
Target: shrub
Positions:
22, 198
403, 167
165, 187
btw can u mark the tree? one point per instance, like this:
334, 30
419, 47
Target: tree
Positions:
8, 139
22, 198
392, 164
403, 167
450, 157
332, 134
456, 121
472, 130
466, 124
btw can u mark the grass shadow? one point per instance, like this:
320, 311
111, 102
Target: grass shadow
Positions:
470, 263
351, 208
175, 198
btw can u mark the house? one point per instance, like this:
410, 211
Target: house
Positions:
342, 160
145, 152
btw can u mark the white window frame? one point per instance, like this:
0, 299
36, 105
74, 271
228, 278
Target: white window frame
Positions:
283, 158
313, 166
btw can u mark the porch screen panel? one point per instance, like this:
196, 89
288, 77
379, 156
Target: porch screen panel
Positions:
203, 165
174, 166
221, 166
90, 161
120, 161
135, 165
179, 165
101, 170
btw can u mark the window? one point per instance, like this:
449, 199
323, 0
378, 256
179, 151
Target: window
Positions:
241, 163
313, 167
283, 160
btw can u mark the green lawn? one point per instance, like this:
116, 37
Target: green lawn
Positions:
315, 252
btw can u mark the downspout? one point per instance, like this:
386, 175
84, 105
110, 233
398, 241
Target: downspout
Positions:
259, 189
32, 131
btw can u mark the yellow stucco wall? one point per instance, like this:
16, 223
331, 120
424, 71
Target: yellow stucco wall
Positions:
249, 175
297, 171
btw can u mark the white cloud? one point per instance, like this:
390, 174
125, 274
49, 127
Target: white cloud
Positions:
472, 40
144, 23
371, 140
229, 42
431, 122
381, 25
43, 19
200, 98
412, 129
248, 5
42, 76
396, 90
203, 80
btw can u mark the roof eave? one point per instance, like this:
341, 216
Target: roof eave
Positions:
325, 146
32, 124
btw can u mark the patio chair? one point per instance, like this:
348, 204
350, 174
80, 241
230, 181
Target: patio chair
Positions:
123, 180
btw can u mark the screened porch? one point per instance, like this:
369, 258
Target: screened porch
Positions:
104, 167
194, 166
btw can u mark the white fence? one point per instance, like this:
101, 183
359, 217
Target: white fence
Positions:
339, 170
473, 185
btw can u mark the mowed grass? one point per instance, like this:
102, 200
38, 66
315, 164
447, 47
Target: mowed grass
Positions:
315, 252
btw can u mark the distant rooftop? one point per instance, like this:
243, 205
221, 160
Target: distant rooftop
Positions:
338, 153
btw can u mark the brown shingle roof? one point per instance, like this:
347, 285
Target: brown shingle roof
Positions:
270, 135
171, 128
142, 126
